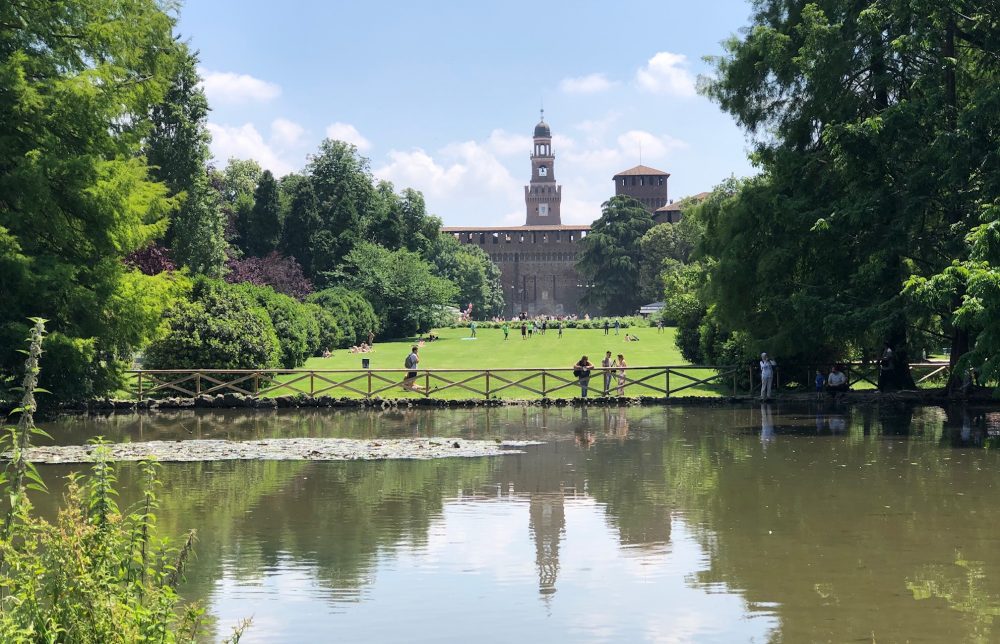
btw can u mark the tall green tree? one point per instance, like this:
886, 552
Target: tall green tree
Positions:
239, 181
301, 223
344, 191
867, 117
660, 243
400, 285
473, 273
609, 260
200, 231
79, 82
264, 226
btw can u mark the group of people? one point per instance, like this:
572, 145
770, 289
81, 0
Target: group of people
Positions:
834, 382
612, 369
364, 347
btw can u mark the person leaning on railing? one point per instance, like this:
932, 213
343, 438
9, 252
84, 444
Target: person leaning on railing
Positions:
581, 371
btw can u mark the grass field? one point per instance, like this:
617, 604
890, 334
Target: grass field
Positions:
456, 350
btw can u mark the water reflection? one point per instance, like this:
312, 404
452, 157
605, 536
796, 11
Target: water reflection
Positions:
823, 523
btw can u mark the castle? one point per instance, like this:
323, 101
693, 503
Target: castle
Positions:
538, 260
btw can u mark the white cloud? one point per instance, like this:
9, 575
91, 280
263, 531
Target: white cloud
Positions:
666, 73
417, 169
349, 134
649, 145
505, 143
285, 133
227, 87
245, 142
589, 84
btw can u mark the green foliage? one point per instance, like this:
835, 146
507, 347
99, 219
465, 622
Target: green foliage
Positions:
264, 226
238, 183
301, 223
661, 243
876, 169
400, 287
220, 328
609, 260
80, 80
294, 323
200, 231
98, 574
473, 273
347, 318
344, 193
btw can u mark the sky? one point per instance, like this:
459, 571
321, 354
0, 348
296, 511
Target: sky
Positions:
442, 96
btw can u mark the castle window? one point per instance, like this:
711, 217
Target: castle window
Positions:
543, 210
633, 181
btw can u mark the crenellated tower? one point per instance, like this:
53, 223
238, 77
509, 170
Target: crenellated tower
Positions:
542, 196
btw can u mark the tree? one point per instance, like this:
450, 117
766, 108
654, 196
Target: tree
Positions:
199, 231
301, 223
343, 186
404, 292
609, 260
264, 226
473, 273
281, 273
660, 243
351, 313
872, 157
80, 81
238, 183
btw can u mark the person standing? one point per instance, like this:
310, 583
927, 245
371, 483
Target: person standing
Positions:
618, 325
659, 326
766, 376
620, 364
581, 370
887, 369
524, 331
606, 368
560, 329
506, 330
371, 338
411, 362
472, 327
606, 326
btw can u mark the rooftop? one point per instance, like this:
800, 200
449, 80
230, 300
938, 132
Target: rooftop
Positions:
678, 205
511, 229
643, 170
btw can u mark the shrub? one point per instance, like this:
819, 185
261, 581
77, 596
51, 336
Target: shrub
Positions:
293, 321
352, 313
281, 273
98, 574
220, 328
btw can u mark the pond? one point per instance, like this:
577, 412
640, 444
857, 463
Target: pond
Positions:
763, 523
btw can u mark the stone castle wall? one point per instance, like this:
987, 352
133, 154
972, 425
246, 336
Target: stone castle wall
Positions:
537, 265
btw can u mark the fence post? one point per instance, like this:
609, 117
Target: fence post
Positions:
487, 384
256, 383
140, 384
197, 383
545, 392
312, 384
667, 392
735, 371
427, 384
368, 394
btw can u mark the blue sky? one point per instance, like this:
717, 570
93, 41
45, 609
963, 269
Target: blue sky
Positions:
443, 96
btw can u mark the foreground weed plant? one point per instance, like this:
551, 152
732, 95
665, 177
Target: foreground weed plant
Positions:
97, 573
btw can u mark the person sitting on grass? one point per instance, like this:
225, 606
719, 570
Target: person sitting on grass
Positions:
631, 338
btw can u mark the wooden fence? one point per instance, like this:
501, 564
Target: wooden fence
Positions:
858, 373
486, 383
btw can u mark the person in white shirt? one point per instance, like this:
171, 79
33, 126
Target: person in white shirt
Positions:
766, 376
836, 382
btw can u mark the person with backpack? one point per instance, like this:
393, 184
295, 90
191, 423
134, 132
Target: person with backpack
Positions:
410, 364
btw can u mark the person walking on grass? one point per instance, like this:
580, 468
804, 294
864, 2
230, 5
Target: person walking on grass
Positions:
472, 327
607, 326
560, 329
524, 331
411, 362
581, 371
621, 366
659, 326
606, 368
618, 325
506, 330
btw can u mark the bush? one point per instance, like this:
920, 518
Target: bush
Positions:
97, 574
352, 316
293, 321
220, 328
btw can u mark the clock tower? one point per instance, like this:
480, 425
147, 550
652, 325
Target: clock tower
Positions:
542, 196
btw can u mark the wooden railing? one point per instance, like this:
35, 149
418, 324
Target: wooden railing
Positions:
858, 373
486, 383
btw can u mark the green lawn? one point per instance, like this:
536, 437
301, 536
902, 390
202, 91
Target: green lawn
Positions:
456, 350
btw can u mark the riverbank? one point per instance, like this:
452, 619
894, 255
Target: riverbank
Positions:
281, 449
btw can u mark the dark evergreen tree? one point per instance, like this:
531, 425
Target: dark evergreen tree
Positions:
301, 223
264, 226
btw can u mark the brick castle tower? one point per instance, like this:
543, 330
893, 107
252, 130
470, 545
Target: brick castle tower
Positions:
542, 196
